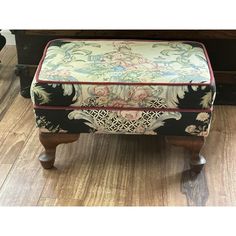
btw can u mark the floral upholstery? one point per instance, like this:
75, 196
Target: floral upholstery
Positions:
114, 86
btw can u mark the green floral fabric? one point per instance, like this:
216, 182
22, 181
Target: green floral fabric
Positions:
116, 61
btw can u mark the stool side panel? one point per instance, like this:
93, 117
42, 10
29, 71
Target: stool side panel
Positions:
124, 122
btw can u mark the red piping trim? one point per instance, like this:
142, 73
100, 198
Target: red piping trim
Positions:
212, 80
120, 108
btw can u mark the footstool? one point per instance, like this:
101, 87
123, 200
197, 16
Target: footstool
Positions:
123, 87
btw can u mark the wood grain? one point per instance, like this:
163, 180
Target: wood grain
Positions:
7, 78
112, 170
221, 168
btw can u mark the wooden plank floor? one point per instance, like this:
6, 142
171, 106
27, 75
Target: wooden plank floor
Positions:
108, 170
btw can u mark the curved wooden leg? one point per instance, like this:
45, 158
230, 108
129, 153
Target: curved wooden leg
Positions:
194, 144
50, 142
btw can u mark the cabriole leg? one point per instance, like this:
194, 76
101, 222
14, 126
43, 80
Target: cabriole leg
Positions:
50, 141
194, 144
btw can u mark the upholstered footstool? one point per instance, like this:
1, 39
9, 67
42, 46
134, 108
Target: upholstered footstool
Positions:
123, 87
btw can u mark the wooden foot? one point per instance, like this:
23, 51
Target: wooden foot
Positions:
197, 163
194, 145
50, 142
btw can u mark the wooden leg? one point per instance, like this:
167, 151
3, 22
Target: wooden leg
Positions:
194, 144
50, 142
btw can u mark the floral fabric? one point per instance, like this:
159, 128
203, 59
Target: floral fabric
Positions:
128, 96
116, 61
82, 74
125, 87
124, 122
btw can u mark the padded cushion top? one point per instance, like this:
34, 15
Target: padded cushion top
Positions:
124, 62
119, 74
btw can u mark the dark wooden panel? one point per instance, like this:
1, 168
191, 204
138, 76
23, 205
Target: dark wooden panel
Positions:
225, 77
162, 34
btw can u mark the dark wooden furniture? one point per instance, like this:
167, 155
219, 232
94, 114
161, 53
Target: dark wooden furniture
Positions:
220, 44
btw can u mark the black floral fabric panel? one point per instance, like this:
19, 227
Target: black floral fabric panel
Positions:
124, 122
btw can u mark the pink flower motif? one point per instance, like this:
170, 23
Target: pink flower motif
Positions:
140, 94
101, 90
130, 115
102, 100
118, 103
